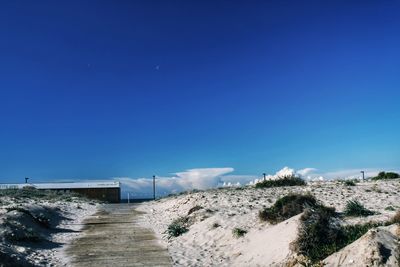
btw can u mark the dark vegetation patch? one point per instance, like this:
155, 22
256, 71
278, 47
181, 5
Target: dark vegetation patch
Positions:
287, 207
349, 183
321, 234
386, 176
390, 208
317, 232
178, 227
356, 209
33, 193
238, 232
239, 188
215, 225
195, 208
284, 181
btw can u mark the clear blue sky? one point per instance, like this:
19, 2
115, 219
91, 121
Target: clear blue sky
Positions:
97, 89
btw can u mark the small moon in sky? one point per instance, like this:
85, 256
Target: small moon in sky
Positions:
157, 67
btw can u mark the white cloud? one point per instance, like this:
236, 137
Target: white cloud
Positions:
234, 179
191, 179
306, 171
201, 178
205, 178
314, 174
351, 173
285, 172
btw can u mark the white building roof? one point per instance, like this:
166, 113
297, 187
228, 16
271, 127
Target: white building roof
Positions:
105, 184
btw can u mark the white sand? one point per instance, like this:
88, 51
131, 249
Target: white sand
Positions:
264, 244
368, 250
41, 253
75, 219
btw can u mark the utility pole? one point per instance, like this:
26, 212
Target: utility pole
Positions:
264, 175
26, 180
363, 175
154, 187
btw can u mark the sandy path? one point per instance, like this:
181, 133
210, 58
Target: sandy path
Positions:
112, 237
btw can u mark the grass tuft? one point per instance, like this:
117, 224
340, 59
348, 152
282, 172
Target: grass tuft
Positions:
215, 225
320, 234
285, 181
390, 208
386, 176
356, 209
349, 183
195, 208
238, 232
178, 227
286, 207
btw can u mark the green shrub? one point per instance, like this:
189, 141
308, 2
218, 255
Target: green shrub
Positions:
390, 208
355, 208
178, 227
320, 234
285, 181
349, 183
215, 225
286, 207
354, 232
238, 232
317, 234
386, 175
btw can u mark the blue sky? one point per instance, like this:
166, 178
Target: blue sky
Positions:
101, 89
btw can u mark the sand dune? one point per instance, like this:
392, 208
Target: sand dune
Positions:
33, 231
378, 247
210, 241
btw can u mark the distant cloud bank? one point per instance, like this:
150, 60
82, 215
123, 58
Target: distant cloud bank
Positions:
181, 181
205, 178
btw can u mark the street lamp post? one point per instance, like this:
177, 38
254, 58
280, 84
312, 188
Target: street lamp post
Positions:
154, 187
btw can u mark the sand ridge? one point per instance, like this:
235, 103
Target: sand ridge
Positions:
206, 245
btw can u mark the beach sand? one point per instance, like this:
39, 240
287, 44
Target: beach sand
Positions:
211, 242
63, 224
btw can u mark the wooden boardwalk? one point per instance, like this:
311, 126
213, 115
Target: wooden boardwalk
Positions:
111, 237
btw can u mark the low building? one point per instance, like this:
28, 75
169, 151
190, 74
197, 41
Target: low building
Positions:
105, 191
